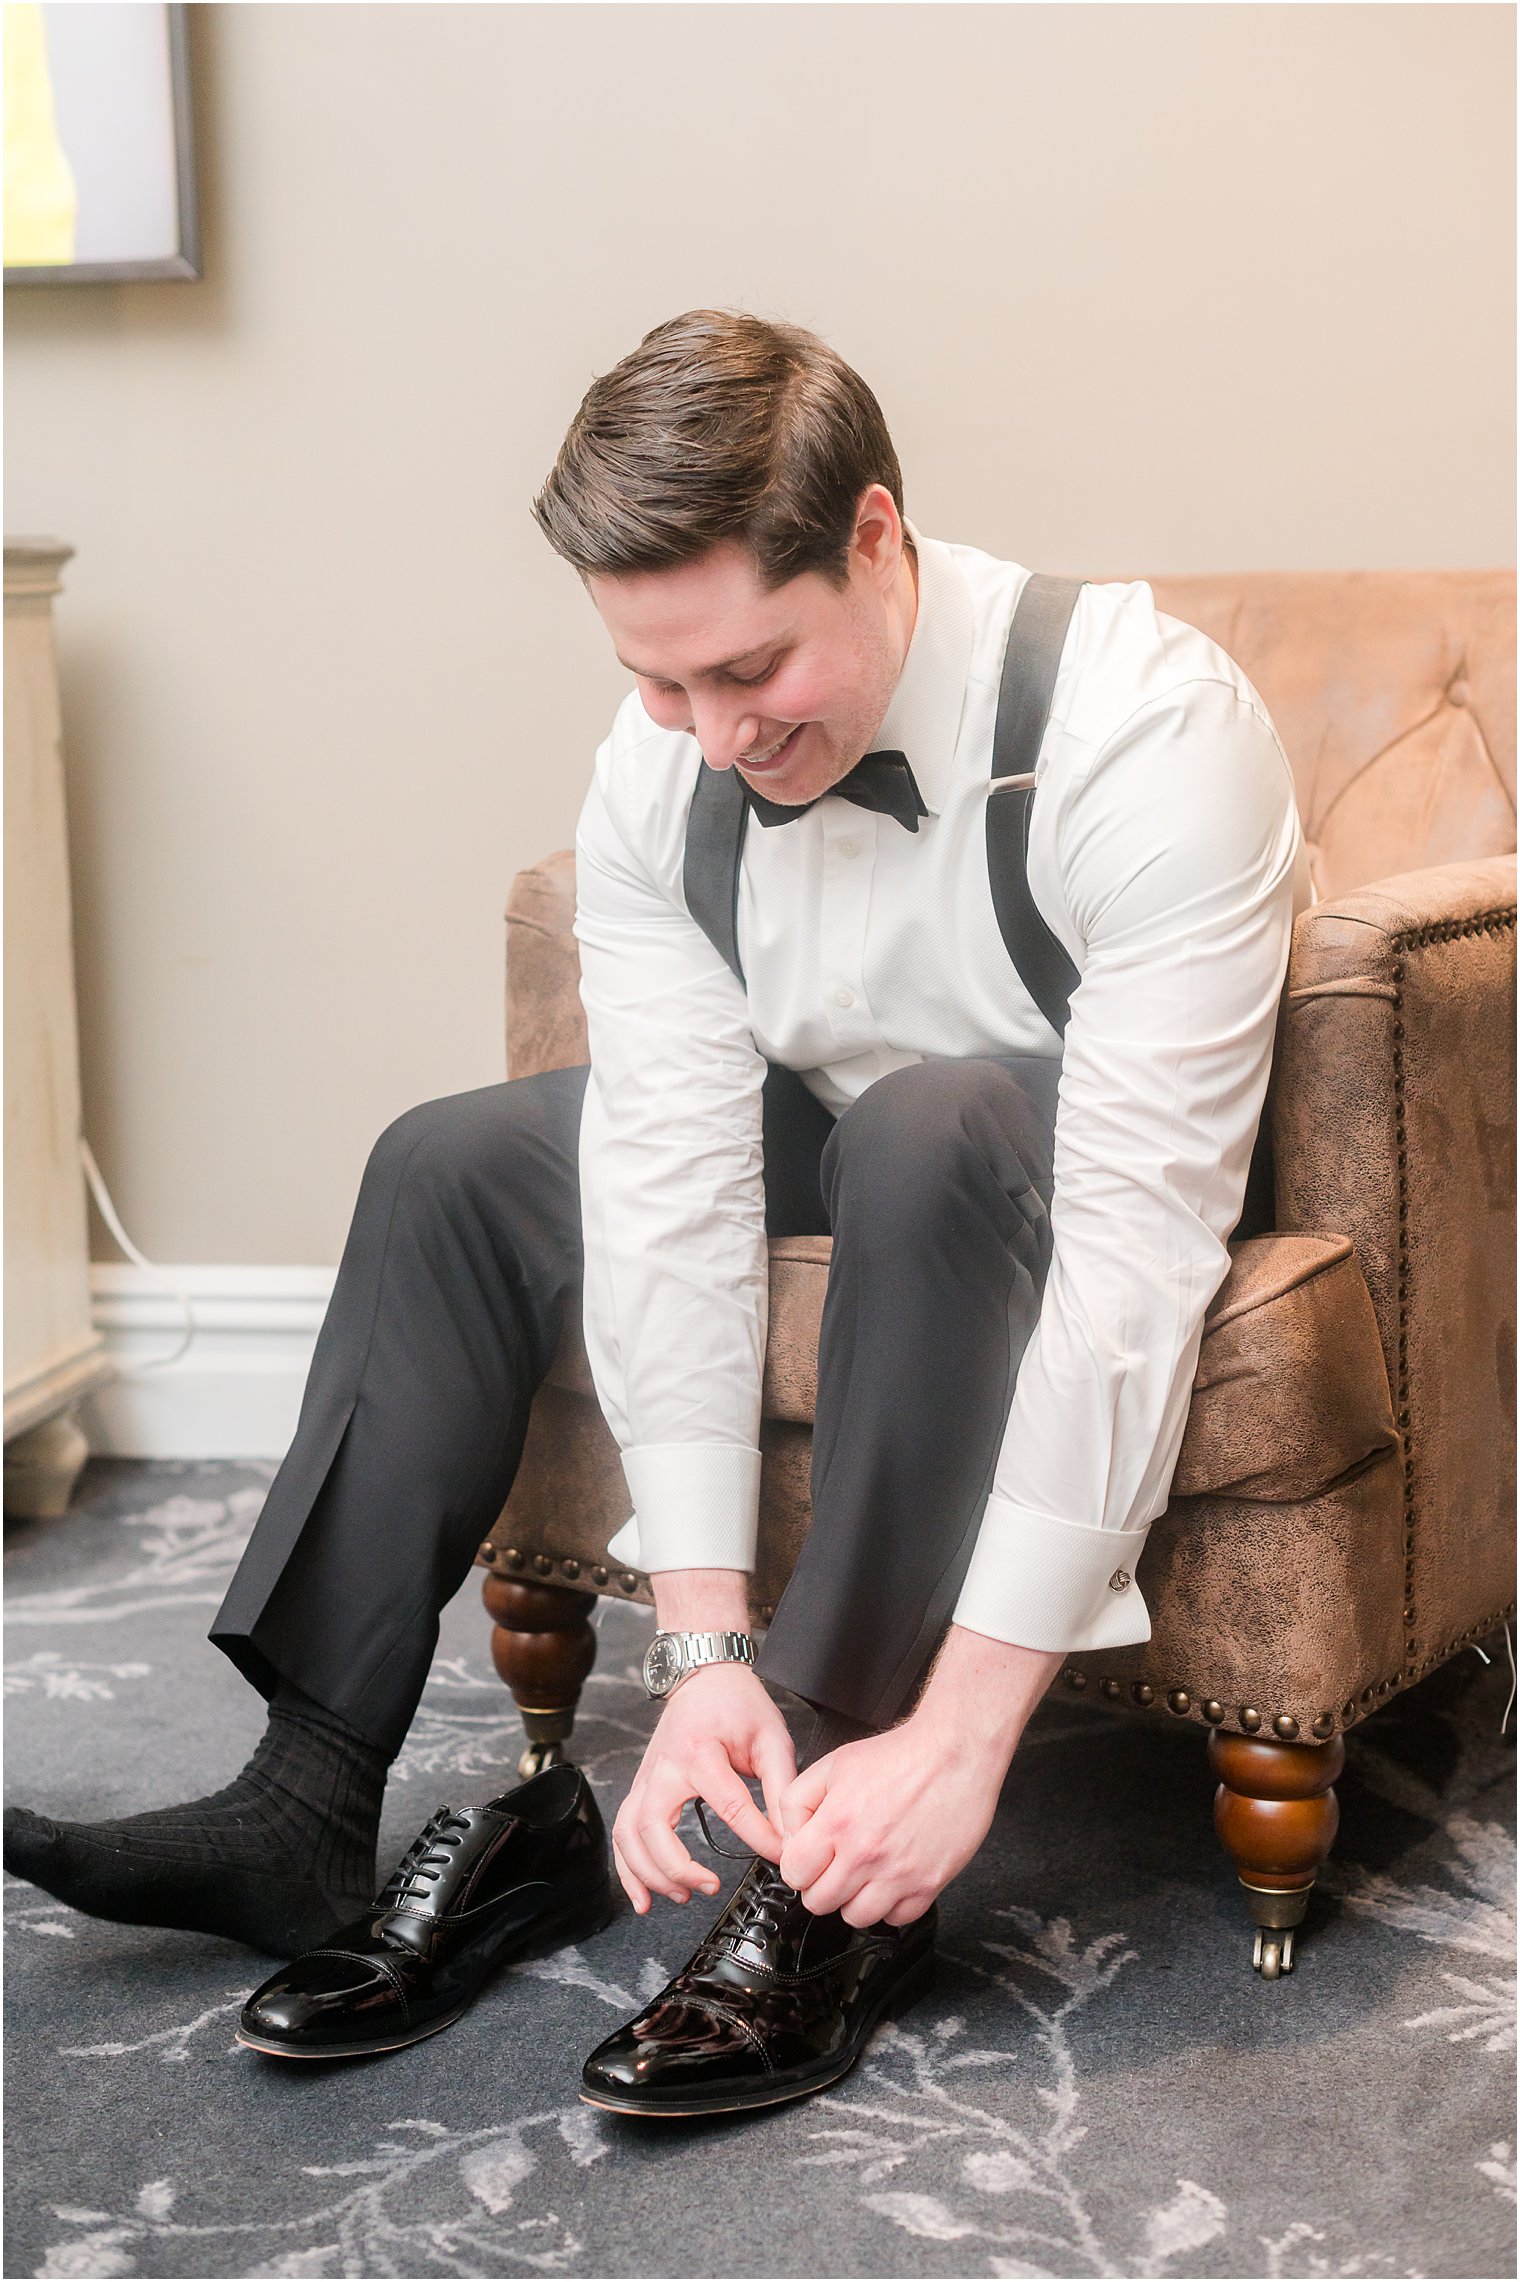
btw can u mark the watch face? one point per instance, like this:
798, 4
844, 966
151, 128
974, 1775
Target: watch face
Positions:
662, 1664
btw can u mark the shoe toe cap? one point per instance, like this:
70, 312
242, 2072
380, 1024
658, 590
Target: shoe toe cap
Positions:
675, 2048
323, 2000
29, 1840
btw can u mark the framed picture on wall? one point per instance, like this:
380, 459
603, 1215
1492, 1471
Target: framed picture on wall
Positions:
99, 164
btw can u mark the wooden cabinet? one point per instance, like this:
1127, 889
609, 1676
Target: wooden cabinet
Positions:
53, 1355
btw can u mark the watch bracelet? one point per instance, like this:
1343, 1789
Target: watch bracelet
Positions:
723, 1646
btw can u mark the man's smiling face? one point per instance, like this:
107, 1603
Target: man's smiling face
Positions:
787, 684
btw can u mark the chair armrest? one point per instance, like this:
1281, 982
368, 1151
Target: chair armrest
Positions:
1392, 1110
1393, 1123
546, 1025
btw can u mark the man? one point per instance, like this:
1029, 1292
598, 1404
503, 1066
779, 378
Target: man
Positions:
1027, 1229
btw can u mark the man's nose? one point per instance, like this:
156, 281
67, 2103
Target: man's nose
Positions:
725, 736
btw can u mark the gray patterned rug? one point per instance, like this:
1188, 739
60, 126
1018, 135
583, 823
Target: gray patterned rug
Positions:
1097, 2086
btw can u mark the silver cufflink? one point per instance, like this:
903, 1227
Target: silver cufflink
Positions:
1119, 1581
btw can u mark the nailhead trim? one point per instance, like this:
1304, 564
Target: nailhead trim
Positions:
1184, 1703
1401, 1388
573, 1570
1498, 921
1495, 922
1285, 1725
576, 1572
1485, 1624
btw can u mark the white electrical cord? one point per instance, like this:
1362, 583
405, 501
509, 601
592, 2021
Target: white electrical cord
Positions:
112, 1219
1509, 1650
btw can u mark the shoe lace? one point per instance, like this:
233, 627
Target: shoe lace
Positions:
431, 1852
760, 1897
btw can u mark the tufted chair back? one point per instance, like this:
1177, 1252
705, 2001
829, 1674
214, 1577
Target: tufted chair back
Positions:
1394, 694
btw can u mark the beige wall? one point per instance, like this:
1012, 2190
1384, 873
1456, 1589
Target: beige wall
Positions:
1153, 287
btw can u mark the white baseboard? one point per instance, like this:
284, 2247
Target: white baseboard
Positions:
235, 1392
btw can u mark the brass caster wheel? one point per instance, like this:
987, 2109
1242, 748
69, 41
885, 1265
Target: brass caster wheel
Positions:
537, 1757
1273, 1954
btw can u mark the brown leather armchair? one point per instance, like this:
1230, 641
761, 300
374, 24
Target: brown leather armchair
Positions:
1341, 1520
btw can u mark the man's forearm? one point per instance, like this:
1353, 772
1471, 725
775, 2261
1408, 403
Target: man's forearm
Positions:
701, 1600
981, 1692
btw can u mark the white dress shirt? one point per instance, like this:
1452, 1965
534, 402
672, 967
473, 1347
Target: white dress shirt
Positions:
1164, 852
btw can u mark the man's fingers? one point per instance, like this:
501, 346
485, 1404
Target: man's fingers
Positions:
834, 1863
806, 1857
634, 1863
874, 1902
634, 1888
803, 1797
746, 1822
666, 1851
835, 1888
910, 1907
776, 1766
723, 1791
631, 1838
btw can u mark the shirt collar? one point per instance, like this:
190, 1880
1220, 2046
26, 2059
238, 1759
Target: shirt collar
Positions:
924, 717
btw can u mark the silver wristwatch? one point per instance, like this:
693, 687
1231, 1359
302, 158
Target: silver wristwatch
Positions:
671, 1655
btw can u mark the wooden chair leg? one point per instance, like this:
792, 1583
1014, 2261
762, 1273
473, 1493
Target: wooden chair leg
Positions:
1277, 1816
543, 1647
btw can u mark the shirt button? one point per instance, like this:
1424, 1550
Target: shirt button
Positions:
1119, 1581
843, 997
848, 848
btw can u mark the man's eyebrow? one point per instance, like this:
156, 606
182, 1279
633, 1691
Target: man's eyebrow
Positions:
724, 665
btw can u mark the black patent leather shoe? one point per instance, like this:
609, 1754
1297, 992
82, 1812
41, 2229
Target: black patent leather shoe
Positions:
478, 1887
775, 2003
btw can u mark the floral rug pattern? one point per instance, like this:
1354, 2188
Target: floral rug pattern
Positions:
1097, 2085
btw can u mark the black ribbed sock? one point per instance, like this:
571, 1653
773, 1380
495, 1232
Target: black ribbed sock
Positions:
279, 1859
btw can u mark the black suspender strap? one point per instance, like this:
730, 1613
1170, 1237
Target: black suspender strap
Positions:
1031, 662
714, 854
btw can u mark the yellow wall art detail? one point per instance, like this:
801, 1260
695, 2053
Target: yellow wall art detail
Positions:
41, 204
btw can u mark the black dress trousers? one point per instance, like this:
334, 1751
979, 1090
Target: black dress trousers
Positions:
464, 1251
938, 1184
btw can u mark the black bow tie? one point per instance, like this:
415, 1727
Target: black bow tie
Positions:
882, 781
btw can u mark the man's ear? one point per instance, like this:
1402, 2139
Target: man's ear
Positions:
877, 542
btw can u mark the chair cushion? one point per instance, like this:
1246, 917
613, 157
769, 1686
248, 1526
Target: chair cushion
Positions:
1291, 1391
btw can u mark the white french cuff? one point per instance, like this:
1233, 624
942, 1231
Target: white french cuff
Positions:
696, 1505
1053, 1585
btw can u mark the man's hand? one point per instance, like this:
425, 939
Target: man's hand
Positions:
878, 1828
719, 1726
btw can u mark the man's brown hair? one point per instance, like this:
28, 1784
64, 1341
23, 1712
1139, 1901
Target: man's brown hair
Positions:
719, 426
